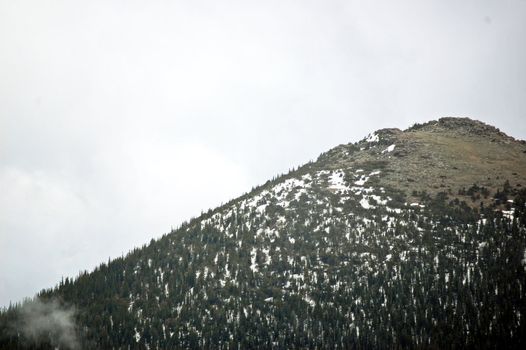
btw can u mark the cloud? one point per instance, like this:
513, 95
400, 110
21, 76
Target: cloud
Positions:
126, 192
43, 322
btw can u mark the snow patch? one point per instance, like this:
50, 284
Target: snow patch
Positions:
309, 300
336, 181
362, 181
508, 214
389, 149
372, 138
253, 265
364, 202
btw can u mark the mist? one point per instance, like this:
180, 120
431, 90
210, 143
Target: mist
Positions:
47, 322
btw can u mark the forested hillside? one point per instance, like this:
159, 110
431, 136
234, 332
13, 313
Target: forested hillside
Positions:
390, 242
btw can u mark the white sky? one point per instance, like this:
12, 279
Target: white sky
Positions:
120, 119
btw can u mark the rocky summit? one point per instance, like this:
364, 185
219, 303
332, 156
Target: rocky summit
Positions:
448, 155
406, 239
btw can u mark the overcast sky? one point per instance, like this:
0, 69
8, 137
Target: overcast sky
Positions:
121, 119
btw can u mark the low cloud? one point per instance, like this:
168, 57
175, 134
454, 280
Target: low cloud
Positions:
43, 322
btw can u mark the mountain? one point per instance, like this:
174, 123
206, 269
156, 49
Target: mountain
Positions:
405, 239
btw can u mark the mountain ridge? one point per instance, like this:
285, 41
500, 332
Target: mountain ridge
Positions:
473, 128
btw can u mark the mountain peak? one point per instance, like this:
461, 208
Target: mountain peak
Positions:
444, 155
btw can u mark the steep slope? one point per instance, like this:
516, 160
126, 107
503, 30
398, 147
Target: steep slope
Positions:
383, 243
